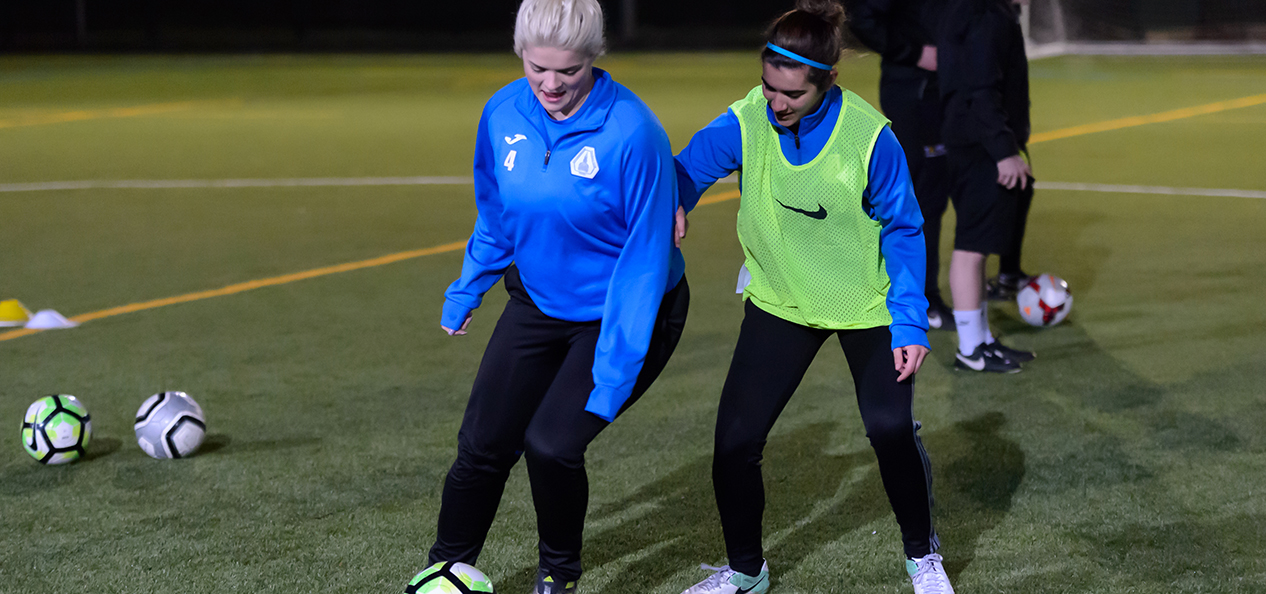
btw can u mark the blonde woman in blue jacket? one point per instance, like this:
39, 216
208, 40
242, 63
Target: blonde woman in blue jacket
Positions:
576, 191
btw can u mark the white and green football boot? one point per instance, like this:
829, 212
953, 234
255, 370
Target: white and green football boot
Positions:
928, 576
728, 581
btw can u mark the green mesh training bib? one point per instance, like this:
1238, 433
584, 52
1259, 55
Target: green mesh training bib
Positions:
811, 249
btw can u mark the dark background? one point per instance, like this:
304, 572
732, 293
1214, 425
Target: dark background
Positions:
430, 25
352, 24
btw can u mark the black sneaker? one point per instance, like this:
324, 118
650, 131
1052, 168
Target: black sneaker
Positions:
984, 359
1007, 352
548, 585
1004, 286
940, 316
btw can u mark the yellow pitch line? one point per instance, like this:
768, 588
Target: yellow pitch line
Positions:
10, 335
1165, 116
287, 278
250, 285
722, 197
117, 112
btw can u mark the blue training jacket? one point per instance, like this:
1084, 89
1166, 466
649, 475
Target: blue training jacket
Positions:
717, 151
584, 207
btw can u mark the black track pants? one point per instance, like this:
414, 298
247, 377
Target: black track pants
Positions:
914, 106
770, 359
529, 398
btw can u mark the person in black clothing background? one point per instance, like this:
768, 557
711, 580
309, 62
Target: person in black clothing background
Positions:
903, 33
985, 89
1011, 278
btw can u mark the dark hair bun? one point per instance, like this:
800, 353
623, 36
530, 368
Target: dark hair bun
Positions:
813, 30
828, 10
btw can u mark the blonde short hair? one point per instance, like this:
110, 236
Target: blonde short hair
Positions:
572, 25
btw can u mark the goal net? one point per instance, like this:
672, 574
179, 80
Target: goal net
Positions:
1156, 27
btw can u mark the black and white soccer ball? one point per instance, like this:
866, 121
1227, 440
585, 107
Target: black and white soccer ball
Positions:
170, 425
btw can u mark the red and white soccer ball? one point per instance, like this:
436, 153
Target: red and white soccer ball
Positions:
1044, 300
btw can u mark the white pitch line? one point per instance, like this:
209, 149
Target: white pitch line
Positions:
155, 184
1091, 48
1074, 187
1232, 193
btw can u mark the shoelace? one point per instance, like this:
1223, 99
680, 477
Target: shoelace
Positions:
714, 581
931, 579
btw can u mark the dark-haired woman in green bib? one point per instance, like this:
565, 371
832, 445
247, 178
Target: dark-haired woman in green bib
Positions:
833, 240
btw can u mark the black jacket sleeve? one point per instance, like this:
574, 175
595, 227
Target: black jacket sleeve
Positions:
874, 22
975, 59
983, 91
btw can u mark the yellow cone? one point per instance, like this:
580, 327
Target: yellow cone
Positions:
13, 313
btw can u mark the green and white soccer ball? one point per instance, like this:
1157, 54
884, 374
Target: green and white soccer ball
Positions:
170, 425
56, 429
449, 577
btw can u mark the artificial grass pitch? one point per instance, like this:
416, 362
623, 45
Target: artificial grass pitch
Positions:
1127, 458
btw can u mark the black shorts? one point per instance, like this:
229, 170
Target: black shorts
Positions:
986, 211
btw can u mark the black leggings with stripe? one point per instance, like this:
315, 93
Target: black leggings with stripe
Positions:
529, 400
770, 359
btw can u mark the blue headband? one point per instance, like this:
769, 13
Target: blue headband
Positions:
798, 57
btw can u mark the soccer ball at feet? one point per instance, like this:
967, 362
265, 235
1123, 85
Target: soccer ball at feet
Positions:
170, 425
1044, 300
449, 577
56, 429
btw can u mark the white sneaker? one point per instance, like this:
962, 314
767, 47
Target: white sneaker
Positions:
934, 319
728, 581
928, 576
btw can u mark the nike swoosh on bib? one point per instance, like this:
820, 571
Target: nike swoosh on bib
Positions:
819, 215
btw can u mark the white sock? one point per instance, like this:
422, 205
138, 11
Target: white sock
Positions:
971, 330
984, 321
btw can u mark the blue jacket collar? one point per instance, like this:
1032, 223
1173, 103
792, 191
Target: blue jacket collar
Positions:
591, 116
834, 96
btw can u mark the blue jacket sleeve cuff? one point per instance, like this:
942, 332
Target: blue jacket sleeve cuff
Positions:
606, 402
908, 335
454, 314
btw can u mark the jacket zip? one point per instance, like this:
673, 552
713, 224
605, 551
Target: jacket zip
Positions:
550, 149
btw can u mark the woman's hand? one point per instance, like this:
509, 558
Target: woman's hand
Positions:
927, 59
908, 359
680, 226
1013, 170
460, 331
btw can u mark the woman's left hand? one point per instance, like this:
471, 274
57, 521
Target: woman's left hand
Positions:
460, 331
908, 359
680, 225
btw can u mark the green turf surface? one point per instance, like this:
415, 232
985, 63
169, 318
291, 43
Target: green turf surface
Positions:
1127, 458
